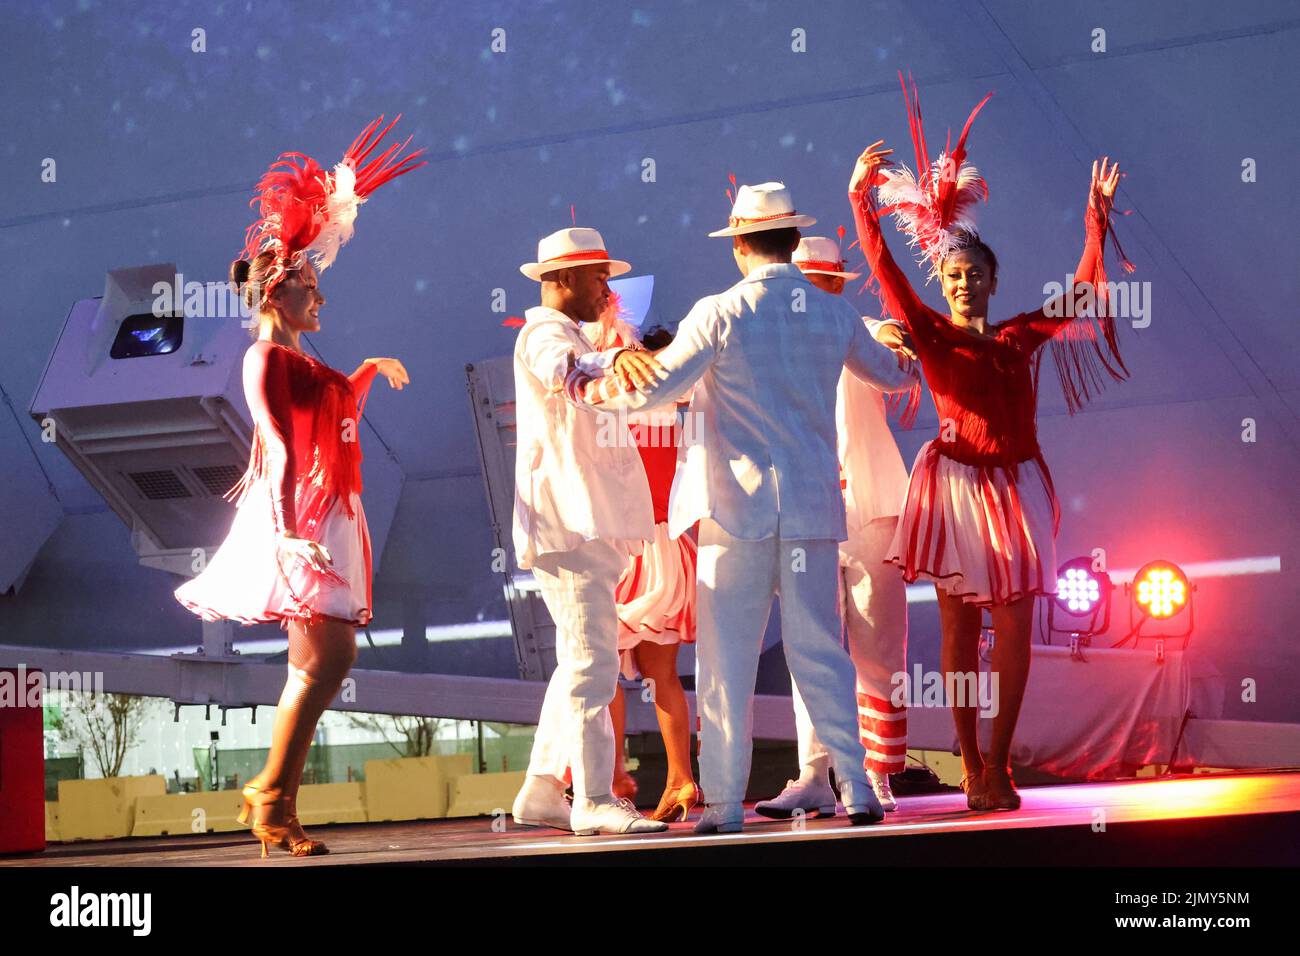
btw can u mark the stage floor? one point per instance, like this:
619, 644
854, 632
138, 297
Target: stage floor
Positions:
1229, 819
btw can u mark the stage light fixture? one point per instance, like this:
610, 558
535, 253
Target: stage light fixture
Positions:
1161, 588
1077, 591
1081, 606
1160, 591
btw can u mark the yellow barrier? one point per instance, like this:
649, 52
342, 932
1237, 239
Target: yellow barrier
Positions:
215, 812
103, 809
321, 803
209, 811
411, 788
483, 794
52, 821
946, 766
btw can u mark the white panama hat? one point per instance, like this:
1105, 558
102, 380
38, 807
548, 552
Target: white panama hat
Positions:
567, 248
821, 256
762, 207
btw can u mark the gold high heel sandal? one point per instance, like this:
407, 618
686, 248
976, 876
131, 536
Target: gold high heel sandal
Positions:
267, 832
1000, 789
972, 784
299, 845
676, 805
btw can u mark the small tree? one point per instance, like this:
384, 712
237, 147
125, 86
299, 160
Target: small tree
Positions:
416, 733
108, 725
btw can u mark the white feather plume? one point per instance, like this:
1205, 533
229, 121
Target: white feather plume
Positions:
916, 212
340, 217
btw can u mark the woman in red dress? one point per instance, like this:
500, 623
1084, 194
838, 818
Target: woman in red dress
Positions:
298, 551
981, 514
656, 599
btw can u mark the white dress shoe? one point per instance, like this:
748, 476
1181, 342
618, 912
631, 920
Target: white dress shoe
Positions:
541, 803
860, 803
610, 815
811, 796
880, 784
722, 818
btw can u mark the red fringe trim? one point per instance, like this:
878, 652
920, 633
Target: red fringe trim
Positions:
334, 471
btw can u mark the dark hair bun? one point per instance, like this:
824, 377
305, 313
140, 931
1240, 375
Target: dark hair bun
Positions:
239, 271
656, 338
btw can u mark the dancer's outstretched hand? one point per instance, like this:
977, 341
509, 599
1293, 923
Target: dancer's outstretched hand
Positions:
1104, 183
636, 369
312, 552
393, 370
868, 166
893, 337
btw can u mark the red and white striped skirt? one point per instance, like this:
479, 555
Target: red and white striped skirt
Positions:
656, 597
978, 532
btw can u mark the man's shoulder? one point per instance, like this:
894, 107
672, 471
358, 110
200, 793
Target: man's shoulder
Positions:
543, 315
540, 320
711, 307
841, 308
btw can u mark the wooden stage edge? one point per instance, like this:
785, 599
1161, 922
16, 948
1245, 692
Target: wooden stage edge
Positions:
1247, 819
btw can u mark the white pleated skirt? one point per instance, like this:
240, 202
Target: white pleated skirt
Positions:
656, 597
985, 534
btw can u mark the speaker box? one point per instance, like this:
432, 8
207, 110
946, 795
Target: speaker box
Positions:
22, 762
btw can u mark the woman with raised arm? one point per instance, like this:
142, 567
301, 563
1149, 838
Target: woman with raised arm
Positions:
298, 551
981, 514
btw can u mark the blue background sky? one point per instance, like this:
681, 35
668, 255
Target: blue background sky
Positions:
158, 146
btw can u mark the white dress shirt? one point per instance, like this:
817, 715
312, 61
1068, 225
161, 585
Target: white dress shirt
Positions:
572, 484
760, 453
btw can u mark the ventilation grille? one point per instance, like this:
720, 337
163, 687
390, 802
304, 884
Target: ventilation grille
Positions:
159, 485
218, 479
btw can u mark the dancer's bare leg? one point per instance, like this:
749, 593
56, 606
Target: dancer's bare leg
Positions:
320, 656
623, 784
959, 654
658, 664
1012, 628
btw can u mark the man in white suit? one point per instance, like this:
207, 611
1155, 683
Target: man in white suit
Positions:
872, 593
582, 507
761, 478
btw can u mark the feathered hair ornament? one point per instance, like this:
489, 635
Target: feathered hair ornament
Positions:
933, 206
304, 210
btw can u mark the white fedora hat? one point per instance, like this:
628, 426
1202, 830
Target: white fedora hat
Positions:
765, 206
567, 248
821, 256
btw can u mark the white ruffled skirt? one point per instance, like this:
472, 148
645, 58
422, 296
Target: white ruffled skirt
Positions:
248, 581
656, 597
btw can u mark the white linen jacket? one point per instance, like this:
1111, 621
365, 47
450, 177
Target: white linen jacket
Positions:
759, 452
572, 483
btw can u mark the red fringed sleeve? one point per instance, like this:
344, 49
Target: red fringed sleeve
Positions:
361, 381
307, 443
1079, 325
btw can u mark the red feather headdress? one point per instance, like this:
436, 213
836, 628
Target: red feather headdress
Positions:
933, 206
304, 209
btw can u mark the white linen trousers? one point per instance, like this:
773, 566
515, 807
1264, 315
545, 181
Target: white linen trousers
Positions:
736, 581
874, 600
574, 729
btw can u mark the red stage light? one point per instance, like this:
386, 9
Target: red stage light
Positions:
1161, 589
